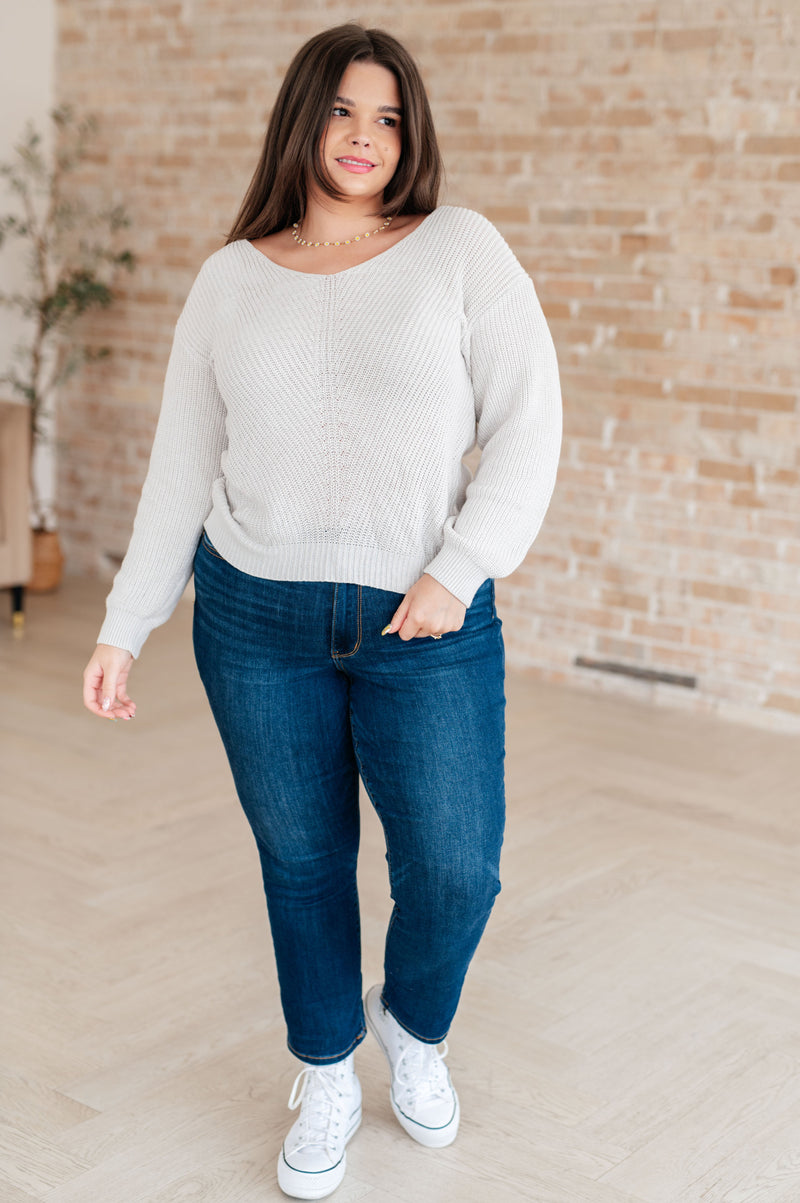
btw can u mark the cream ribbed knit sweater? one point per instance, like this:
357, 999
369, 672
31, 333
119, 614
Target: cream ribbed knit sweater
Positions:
315, 424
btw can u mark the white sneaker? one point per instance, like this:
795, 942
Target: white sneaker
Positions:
422, 1095
312, 1161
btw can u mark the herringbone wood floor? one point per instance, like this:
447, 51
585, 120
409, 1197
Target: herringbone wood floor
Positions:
629, 1033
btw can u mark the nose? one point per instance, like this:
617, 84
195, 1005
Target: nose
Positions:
360, 131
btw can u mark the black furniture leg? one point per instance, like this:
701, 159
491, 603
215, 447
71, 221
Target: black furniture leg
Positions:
18, 609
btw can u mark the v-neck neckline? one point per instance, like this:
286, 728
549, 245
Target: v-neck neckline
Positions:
355, 266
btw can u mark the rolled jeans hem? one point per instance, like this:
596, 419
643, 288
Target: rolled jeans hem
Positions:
410, 1030
333, 1058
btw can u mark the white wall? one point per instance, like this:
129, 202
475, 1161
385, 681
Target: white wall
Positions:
27, 70
27, 83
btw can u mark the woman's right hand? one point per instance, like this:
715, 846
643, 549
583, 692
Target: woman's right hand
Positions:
105, 681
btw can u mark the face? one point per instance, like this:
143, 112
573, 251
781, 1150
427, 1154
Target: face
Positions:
362, 142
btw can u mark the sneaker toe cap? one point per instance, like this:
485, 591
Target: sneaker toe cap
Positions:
436, 1113
309, 1160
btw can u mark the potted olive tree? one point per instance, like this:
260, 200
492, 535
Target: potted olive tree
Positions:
69, 270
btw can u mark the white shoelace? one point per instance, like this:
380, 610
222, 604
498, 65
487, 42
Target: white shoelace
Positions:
321, 1114
421, 1074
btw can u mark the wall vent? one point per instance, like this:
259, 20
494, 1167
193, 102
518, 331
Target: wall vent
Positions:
641, 674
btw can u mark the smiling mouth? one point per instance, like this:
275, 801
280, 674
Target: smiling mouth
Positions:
355, 162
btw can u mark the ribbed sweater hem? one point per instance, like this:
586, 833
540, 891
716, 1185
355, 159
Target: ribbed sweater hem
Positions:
377, 567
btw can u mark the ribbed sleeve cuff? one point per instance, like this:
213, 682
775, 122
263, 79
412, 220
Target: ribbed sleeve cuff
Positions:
457, 573
124, 630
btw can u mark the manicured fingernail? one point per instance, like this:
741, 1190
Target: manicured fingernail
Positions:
106, 704
386, 629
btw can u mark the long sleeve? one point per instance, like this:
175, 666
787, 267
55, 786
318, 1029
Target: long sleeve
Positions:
519, 427
176, 496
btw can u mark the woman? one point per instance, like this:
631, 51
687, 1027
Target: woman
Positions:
333, 362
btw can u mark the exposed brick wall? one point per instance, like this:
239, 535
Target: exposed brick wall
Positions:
643, 160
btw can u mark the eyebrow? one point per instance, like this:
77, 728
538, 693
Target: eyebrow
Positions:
382, 108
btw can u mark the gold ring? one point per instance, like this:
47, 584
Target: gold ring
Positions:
435, 636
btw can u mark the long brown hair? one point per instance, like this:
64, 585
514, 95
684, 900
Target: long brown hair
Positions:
291, 157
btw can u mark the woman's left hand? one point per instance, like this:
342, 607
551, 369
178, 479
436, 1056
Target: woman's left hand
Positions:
427, 609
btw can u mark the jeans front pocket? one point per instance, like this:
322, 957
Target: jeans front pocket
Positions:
209, 546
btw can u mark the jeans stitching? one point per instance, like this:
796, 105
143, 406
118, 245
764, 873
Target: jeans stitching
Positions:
210, 548
333, 620
358, 645
345, 655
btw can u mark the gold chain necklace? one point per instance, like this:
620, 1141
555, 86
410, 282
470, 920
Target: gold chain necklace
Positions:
339, 241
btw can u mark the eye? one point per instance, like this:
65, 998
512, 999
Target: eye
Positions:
392, 121
339, 109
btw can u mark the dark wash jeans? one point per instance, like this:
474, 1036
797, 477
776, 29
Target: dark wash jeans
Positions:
308, 696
